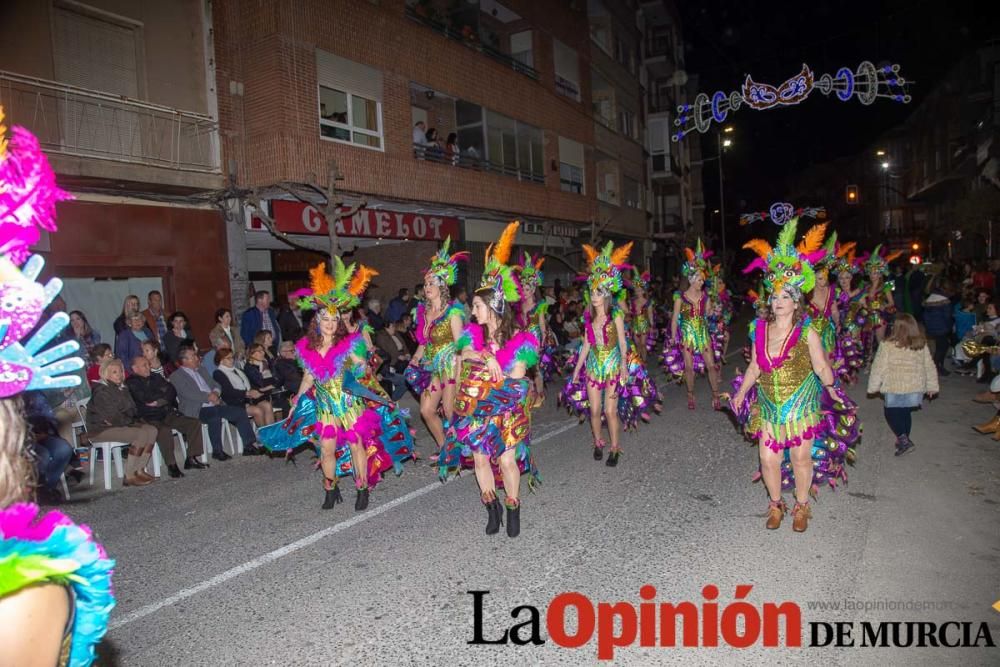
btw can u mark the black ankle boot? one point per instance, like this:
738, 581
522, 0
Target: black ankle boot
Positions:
598, 453
513, 521
332, 498
613, 458
361, 503
495, 517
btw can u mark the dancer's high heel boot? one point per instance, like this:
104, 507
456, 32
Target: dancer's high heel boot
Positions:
332, 497
361, 503
495, 517
514, 520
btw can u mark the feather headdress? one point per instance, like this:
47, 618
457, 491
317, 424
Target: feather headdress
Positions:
530, 272
843, 258
497, 274
641, 279
337, 292
605, 268
878, 260
697, 261
444, 266
787, 266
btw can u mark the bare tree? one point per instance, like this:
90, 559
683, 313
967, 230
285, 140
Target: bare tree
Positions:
596, 229
330, 206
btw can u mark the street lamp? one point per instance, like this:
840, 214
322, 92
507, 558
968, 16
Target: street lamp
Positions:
880, 152
885, 166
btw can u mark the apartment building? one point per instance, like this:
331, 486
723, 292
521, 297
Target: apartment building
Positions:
121, 96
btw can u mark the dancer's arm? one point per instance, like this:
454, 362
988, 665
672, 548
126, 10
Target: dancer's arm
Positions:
674, 319
622, 347
835, 314
582, 359
417, 356
307, 383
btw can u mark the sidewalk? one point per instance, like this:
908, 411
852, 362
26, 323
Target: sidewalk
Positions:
933, 527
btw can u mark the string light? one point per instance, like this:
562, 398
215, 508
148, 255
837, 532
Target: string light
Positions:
781, 212
867, 83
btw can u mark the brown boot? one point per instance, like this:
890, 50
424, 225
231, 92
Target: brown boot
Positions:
996, 435
801, 514
776, 511
990, 426
985, 397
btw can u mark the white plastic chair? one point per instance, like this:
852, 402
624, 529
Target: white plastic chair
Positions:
234, 443
157, 459
80, 424
65, 486
108, 450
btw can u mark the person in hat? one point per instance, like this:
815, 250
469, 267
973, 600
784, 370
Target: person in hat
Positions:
802, 422
851, 311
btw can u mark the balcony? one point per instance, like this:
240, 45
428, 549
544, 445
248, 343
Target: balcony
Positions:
81, 123
467, 36
466, 161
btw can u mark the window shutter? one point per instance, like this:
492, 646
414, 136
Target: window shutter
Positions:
571, 152
336, 72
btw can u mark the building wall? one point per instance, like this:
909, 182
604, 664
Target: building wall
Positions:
185, 247
272, 129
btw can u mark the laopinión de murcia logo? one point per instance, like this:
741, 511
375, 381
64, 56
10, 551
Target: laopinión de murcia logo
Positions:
706, 624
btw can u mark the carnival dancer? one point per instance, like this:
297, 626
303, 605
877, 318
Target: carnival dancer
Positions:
822, 304
721, 316
55, 579
491, 410
788, 399
689, 349
878, 296
851, 310
439, 321
603, 356
642, 311
332, 362
533, 316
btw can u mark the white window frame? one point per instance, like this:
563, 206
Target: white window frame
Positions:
349, 126
567, 186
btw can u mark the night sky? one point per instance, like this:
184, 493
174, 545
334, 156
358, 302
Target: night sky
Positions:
727, 39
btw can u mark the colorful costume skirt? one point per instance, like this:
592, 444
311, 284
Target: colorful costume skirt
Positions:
635, 399
603, 366
491, 418
673, 360
418, 377
835, 432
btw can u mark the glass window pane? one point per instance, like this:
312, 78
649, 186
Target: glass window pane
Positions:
467, 113
334, 132
367, 140
364, 113
509, 151
471, 141
333, 105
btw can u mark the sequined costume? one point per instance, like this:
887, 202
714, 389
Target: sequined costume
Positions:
822, 321
547, 357
438, 363
492, 417
692, 335
340, 414
850, 335
792, 406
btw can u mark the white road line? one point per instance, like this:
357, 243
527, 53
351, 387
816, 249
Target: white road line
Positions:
298, 545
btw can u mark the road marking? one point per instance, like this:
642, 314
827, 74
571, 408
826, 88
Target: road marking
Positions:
298, 545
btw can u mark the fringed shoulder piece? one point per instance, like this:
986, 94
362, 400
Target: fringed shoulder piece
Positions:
323, 367
52, 549
454, 309
472, 336
523, 347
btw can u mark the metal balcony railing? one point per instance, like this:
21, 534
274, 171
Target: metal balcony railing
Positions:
433, 153
74, 121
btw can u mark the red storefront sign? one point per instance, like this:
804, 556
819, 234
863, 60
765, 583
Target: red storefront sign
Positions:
294, 217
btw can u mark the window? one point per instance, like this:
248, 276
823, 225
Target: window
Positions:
567, 70
571, 167
350, 101
349, 118
659, 143
607, 182
521, 48
529, 153
602, 100
631, 193
470, 129
626, 123
501, 143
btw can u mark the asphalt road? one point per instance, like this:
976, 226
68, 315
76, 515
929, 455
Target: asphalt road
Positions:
237, 565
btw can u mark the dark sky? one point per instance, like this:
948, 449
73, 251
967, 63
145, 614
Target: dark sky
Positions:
727, 39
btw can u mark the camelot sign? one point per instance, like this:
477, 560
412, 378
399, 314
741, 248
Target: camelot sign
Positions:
294, 217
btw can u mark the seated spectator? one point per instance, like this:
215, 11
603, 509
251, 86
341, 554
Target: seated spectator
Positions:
405, 330
176, 336
51, 453
237, 390
399, 305
199, 396
224, 334
965, 317
259, 370
419, 138
101, 353
86, 336
111, 415
156, 405
373, 314
287, 372
130, 305
266, 340
151, 352
392, 348
128, 343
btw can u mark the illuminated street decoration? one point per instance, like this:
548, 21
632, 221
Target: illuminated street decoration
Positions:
867, 83
781, 212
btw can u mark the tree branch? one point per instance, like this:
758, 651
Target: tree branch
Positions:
253, 199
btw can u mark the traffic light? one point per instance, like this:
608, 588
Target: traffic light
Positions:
851, 195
